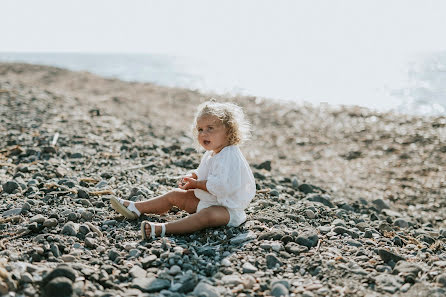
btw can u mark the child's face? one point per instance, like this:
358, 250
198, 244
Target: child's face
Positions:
212, 133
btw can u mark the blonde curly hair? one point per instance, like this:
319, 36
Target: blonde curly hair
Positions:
232, 117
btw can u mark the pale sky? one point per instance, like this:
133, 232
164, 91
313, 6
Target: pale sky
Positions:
350, 52
240, 28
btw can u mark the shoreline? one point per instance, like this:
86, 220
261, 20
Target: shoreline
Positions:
358, 193
395, 107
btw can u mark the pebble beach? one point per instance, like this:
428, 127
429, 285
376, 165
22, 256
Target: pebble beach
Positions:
349, 202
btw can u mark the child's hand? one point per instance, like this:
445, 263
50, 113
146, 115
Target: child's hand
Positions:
182, 182
188, 183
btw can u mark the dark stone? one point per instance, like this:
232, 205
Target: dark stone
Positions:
426, 238
272, 260
58, 287
207, 251
287, 238
306, 188
343, 230
76, 156
55, 250
264, 165
60, 271
397, 241
10, 186
188, 283
387, 256
49, 150
271, 235
380, 204
113, 254
325, 200
82, 194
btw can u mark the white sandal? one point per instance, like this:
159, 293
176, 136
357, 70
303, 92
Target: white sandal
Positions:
152, 230
130, 212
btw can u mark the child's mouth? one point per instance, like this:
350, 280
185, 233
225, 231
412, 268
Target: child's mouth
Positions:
206, 142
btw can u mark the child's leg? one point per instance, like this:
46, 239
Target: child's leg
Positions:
184, 200
212, 216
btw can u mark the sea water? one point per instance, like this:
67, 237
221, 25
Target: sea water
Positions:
413, 83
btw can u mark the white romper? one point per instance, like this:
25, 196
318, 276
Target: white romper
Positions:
230, 183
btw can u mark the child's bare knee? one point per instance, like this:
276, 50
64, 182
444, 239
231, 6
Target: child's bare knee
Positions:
214, 216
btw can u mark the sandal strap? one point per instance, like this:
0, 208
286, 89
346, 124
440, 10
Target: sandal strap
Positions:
133, 208
130, 207
152, 230
163, 229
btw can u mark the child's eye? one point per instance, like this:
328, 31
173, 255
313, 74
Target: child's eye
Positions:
210, 128
200, 130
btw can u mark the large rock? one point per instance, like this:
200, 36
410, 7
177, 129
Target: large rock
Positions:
60, 271
58, 287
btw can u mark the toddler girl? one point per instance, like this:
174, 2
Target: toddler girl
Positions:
215, 194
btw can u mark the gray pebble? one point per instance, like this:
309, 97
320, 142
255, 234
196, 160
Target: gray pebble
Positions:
50, 222
204, 289
308, 239
249, 268
90, 242
279, 290
70, 229
402, 223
